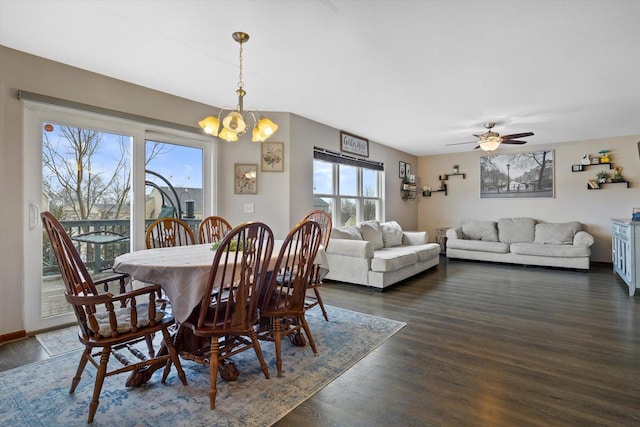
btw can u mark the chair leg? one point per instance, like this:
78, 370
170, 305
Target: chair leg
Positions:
213, 373
258, 350
321, 304
307, 331
278, 344
173, 353
102, 370
83, 363
149, 340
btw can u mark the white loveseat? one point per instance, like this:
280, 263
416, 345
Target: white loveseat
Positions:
521, 241
379, 254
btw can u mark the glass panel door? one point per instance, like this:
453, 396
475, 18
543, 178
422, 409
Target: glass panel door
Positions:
86, 185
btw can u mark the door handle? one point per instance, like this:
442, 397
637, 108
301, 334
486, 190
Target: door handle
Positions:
34, 216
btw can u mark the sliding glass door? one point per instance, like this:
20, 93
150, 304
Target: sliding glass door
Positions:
104, 179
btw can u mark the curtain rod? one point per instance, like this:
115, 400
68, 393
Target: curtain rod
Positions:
45, 99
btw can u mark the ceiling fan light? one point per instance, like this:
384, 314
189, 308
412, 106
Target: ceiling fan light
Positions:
234, 122
490, 143
228, 135
210, 125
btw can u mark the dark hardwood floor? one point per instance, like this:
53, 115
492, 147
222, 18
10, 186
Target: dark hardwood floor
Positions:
485, 345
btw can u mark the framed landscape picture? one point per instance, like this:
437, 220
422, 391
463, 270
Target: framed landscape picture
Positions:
517, 175
272, 156
245, 178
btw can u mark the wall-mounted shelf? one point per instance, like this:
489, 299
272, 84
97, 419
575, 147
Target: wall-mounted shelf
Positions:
607, 183
407, 190
428, 193
581, 168
446, 176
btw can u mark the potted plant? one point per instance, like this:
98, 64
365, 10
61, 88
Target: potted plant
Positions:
602, 176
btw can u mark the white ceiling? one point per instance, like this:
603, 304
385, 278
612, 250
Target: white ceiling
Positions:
414, 75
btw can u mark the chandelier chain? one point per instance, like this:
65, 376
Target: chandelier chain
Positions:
240, 83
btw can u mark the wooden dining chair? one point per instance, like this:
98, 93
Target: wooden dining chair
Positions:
228, 311
105, 326
282, 305
213, 228
168, 232
315, 281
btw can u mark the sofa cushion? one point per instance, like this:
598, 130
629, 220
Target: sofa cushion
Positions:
428, 251
349, 233
550, 250
391, 234
557, 234
478, 245
372, 232
516, 230
390, 259
479, 230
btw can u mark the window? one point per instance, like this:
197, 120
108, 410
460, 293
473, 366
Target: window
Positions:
347, 187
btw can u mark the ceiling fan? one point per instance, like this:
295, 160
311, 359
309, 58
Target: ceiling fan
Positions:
490, 140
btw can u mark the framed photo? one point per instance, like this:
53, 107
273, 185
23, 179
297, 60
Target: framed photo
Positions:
517, 175
402, 170
245, 178
272, 157
407, 169
354, 144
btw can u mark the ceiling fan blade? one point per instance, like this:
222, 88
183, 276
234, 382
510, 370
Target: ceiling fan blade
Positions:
460, 143
511, 141
517, 135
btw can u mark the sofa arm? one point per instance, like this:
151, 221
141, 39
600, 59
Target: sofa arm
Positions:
352, 248
413, 238
454, 233
582, 238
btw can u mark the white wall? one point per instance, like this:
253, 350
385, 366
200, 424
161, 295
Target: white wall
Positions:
572, 201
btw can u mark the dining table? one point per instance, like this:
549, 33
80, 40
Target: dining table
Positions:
183, 273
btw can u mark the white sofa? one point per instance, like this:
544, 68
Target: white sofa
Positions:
521, 241
379, 254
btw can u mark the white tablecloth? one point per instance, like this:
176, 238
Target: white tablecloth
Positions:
181, 271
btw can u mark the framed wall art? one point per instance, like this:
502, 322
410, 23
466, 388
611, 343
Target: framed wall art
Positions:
272, 156
245, 178
402, 170
517, 175
354, 144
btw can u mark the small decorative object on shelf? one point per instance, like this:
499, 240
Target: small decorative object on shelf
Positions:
593, 184
456, 169
617, 174
602, 176
595, 160
586, 160
604, 156
635, 215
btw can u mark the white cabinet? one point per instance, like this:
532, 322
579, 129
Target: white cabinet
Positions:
625, 247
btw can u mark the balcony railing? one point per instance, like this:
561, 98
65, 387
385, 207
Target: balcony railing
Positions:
97, 254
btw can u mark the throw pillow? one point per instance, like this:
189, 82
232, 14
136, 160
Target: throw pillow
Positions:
557, 234
516, 230
391, 234
347, 233
372, 232
480, 230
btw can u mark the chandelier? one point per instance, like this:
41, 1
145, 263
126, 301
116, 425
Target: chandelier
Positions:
234, 123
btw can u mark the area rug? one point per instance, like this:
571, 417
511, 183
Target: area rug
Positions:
60, 341
38, 394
